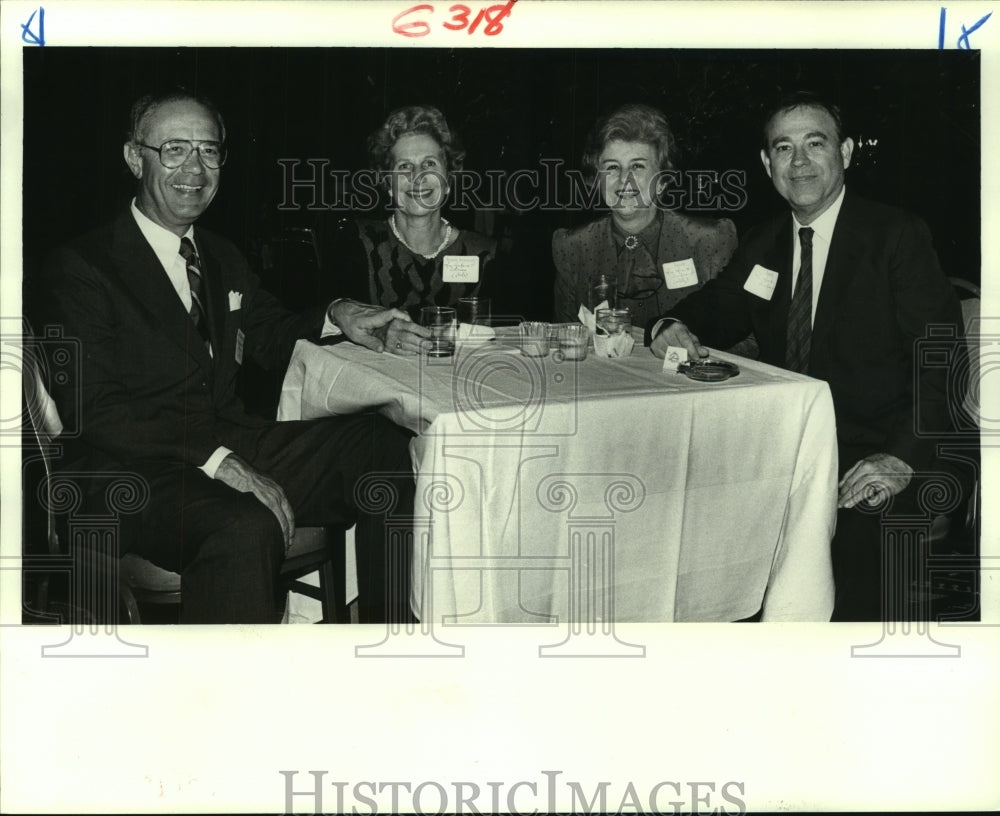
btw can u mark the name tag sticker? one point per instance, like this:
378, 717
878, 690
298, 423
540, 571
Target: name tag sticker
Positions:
460, 269
761, 282
240, 337
679, 274
674, 357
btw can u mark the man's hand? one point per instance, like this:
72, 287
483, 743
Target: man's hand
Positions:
241, 476
875, 478
363, 324
677, 334
404, 337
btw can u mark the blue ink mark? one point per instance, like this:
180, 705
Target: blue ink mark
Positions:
29, 36
963, 41
944, 14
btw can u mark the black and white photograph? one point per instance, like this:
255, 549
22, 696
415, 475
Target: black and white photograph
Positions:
401, 413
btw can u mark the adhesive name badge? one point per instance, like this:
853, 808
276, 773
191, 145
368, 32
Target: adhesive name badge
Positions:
460, 269
679, 274
240, 337
674, 357
761, 282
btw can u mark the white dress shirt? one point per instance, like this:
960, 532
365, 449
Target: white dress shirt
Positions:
822, 229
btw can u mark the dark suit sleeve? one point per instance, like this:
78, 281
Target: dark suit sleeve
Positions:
78, 300
718, 313
271, 329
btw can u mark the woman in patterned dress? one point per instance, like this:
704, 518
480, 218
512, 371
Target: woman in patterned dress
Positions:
636, 239
402, 262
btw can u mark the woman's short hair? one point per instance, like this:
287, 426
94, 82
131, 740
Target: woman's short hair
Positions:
415, 119
631, 123
146, 105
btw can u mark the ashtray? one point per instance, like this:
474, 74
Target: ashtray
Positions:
708, 370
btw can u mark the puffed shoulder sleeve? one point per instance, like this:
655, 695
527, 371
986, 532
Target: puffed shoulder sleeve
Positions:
715, 247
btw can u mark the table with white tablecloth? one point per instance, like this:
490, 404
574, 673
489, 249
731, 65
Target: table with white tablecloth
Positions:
606, 489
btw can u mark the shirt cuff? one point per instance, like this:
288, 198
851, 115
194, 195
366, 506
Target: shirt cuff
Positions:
212, 465
330, 329
660, 325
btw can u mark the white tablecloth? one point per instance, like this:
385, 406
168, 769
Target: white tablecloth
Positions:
606, 490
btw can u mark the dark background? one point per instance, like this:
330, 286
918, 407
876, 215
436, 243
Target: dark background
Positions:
914, 115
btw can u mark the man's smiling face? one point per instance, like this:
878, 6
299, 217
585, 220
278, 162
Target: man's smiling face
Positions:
174, 198
806, 160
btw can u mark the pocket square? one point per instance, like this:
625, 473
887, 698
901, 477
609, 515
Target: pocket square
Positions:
235, 301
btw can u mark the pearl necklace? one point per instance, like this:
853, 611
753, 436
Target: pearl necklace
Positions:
444, 243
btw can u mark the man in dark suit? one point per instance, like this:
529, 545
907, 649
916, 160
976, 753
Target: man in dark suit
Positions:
840, 289
165, 315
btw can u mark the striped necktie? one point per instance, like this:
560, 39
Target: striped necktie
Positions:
799, 330
198, 312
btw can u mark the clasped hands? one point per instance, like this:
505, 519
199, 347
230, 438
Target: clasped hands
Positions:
376, 328
872, 480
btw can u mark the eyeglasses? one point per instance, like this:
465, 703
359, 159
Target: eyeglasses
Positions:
175, 152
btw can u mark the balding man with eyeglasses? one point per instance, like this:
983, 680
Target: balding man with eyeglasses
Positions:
166, 312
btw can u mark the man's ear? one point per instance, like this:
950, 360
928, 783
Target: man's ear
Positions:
766, 161
846, 151
132, 159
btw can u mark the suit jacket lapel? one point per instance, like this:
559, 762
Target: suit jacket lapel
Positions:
140, 271
224, 323
778, 258
842, 264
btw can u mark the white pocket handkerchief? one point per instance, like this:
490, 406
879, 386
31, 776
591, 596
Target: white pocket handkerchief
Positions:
235, 301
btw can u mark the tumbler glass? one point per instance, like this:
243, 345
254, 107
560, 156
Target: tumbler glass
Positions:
534, 339
441, 321
572, 340
474, 310
603, 288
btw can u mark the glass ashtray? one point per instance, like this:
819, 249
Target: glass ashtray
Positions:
708, 370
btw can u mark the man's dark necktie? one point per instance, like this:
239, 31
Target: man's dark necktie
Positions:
800, 312
198, 313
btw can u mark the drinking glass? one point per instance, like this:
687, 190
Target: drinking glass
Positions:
614, 321
603, 288
441, 321
534, 338
613, 337
474, 310
572, 340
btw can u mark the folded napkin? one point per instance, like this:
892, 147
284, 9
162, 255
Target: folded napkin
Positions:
619, 345
586, 316
475, 333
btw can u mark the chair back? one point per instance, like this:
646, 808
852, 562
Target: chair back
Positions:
41, 426
970, 299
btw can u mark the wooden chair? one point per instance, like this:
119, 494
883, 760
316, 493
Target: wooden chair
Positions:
133, 581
